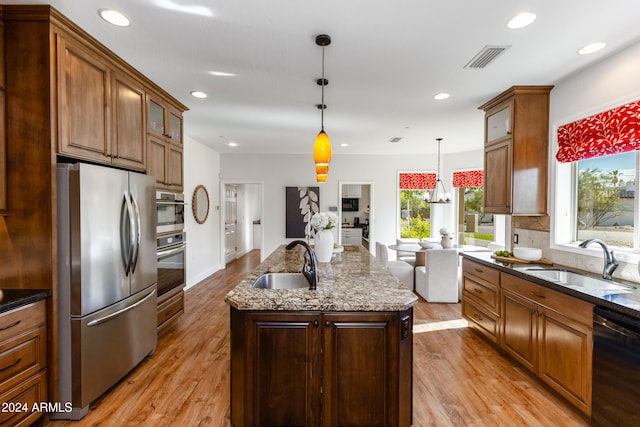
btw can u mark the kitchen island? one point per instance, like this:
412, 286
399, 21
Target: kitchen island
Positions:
338, 355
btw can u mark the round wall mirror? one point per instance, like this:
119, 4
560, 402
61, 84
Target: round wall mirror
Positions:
200, 204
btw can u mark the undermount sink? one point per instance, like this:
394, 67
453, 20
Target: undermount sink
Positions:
281, 281
581, 282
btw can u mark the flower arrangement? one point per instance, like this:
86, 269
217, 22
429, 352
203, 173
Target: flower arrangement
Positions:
444, 232
324, 221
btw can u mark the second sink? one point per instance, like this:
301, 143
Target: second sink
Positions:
578, 281
281, 281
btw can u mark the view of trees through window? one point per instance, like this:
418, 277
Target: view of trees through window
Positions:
478, 227
415, 214
606, 199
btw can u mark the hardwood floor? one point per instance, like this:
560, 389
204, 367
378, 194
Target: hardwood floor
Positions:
459, 379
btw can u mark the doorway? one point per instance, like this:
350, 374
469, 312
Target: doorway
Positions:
356, 214
242, 219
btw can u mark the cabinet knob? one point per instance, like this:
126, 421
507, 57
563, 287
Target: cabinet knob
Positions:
316, 323
327, 324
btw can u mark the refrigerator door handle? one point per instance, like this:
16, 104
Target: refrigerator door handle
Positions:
120, 312
129, 238
137, 233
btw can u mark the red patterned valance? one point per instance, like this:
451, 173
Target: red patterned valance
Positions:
468, 178
610, 132
417, 181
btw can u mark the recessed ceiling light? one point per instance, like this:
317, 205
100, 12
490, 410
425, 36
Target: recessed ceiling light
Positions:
521, 20
592, 48
198, 94
114, 17
344, 144
232, 144
221, 74
441, 96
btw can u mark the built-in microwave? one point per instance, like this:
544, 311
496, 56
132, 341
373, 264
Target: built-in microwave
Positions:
170, 212
350, 204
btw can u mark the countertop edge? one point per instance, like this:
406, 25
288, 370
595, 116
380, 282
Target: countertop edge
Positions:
567, 291
30, 296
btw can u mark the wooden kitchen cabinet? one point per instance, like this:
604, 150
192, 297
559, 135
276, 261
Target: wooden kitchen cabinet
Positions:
128, 139
481, 298
165, 163
84, 89
23, 363
321, 369
3, 141
552, 335
516, 151
165, 132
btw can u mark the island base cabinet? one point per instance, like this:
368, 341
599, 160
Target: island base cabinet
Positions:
321, 369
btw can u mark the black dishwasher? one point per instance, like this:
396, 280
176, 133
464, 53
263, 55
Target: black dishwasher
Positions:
616, 369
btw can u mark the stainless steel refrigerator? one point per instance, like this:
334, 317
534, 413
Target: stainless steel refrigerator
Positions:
107, 274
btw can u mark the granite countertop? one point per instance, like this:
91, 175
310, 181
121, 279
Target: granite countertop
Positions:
12, 298
353, 281
630, 307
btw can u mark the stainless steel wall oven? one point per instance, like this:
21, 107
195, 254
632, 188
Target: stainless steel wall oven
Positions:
171, 264
170, 209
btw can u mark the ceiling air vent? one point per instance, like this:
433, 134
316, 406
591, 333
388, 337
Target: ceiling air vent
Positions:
395, 139
487, 55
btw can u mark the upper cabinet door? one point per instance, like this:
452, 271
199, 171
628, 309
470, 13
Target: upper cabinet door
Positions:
83, 101
498, 123
129, 143
175, 127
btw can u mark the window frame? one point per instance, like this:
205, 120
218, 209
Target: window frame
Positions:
563, 210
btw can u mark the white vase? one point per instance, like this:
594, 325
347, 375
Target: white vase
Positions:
446, 242
323, 245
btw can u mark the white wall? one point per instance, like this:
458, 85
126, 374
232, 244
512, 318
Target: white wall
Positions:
202, 166
280, 171
611, 82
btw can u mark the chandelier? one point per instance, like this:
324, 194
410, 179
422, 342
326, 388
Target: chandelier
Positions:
439, 193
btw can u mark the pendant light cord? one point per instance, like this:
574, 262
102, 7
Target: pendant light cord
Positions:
322, 106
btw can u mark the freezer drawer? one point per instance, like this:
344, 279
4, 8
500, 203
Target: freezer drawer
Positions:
108, 344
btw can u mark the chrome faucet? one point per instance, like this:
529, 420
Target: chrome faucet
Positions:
310, 267
610, 262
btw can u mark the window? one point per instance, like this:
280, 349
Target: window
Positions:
596, 178
414, 218
476, 227
415, 214
605, 205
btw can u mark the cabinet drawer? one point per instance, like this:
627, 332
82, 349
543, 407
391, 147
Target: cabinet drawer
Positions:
15, 322
486, 292
488, 274
22, 357
22, 398
566, 305
482, 320
174, 306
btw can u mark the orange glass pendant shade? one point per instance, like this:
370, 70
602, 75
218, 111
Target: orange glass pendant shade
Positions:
322, 169
322, 149
321, 177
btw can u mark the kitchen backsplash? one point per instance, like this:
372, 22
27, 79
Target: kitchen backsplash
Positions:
542, 239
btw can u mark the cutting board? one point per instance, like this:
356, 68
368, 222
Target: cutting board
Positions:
542, 261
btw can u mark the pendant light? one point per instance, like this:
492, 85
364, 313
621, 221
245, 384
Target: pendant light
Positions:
439, 194
322, 146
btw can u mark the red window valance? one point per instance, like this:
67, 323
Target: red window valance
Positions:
473, 178
610, 132
417, 181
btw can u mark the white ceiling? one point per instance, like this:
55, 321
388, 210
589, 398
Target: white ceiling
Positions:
386, 61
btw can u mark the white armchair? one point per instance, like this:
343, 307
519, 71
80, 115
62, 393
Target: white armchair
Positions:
400, 269
437, 281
